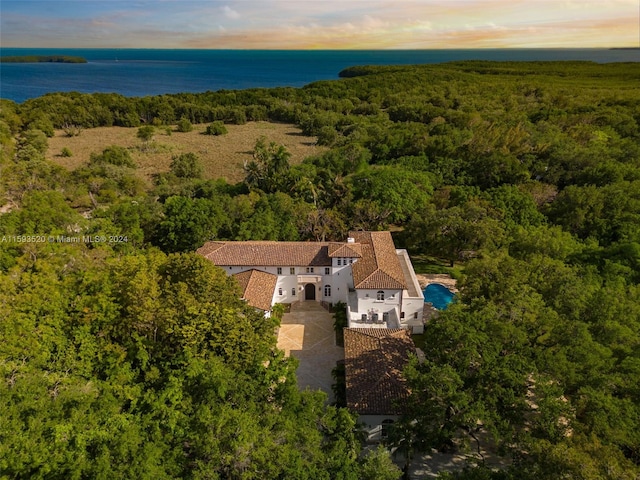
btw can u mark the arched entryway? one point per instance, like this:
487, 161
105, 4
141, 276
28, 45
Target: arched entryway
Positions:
309, 291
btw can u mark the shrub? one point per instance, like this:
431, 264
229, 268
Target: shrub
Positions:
184, 125
145, 133
187, 165
327, 136
66, 152
71, 129
113, 155
216, 128
340, 321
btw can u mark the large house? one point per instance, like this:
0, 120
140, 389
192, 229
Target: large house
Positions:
375, 280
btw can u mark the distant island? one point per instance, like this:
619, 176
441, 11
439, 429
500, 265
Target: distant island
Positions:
42, 59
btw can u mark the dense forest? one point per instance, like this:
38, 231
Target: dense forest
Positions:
127, 356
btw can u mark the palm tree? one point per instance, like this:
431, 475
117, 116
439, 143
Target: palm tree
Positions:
254, 174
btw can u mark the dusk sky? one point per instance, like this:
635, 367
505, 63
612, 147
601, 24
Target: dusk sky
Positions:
322, 24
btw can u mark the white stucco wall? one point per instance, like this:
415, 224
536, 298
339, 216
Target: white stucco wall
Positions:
412, 308
341, 279
338, 278
289, 284
368, 302
372, 424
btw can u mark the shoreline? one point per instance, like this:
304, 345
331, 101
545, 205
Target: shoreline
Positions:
42, 59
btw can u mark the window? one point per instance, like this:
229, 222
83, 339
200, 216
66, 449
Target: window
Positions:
327, 290
351, 260
327, 271
415, 315
339, 262
279, 291
309, 269
380, 295
279, 270
292, 270
401, 314
293, 292
386, 427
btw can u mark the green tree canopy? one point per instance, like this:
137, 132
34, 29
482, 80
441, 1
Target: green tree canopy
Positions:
186, 165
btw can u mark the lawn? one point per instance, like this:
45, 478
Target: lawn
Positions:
222, 156
424, 264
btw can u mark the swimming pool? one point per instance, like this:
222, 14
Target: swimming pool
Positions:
438, 295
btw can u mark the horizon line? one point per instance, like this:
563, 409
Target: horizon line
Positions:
620, 47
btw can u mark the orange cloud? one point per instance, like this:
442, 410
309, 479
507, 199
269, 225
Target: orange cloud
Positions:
371, 33
331, 24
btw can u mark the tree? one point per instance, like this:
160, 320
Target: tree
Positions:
187, 165
42, 213
188, 223
32, 145
269, 168
394, 192
377, 465
453, 232
156, 359
551, 241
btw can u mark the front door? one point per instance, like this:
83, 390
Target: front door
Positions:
309, 291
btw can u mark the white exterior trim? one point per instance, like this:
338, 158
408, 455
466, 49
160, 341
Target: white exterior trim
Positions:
398, 309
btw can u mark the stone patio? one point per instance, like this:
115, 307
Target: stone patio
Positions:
307, 334
443, 279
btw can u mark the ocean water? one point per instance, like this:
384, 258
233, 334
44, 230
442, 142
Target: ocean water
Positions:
132, 72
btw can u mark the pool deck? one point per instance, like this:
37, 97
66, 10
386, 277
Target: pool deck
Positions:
441, 278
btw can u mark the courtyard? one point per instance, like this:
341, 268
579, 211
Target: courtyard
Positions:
307, 334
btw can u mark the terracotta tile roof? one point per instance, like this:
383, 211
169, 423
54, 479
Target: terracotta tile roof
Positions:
379, 267
345, 250
374, 360
280, 254
209, 247
257, 287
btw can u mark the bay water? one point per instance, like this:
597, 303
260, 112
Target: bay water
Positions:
138, 72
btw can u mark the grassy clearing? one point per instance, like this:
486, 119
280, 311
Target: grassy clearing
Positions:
424, 264
222, 156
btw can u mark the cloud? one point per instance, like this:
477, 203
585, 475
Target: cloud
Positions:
329, 24
230, 12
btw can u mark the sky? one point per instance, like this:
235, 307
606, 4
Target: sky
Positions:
320, 24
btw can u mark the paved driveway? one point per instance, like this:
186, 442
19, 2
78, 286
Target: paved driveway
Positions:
306, 333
